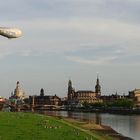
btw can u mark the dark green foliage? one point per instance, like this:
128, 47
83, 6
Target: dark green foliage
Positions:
93, 105
124, 103
98, 104
119, 103
86, 105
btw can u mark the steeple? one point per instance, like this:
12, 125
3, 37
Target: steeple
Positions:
42, 92
98, 87
70, 90
70, 83
17, 83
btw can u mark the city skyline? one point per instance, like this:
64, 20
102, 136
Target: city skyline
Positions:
77, 39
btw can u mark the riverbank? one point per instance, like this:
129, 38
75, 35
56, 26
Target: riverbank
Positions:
92, 126
98, 130
121, 111
18, 125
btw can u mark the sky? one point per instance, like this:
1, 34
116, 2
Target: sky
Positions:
70, 39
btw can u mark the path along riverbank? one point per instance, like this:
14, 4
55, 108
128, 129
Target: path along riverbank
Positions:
93, 128
99, 129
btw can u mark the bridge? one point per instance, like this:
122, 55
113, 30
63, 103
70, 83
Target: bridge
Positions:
47, 107
18, 105
15, 107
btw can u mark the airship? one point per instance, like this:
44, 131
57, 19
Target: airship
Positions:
10, 32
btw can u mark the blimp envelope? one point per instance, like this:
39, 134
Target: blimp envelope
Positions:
10, 32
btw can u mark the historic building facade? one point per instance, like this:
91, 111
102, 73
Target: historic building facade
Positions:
43, 99
86, 96
18, 92
135, 96
82, 96
17, 99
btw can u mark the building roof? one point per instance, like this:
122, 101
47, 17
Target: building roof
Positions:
85, 91
46, 97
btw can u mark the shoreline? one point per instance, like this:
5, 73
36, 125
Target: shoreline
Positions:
92, 127
110, 111
103, 129
107, 130
97, 110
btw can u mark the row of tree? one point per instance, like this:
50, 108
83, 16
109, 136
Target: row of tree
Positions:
121, 103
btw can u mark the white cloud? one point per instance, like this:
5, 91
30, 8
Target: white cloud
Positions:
75, 32
67, 28
133, 1
96, 61
61, 35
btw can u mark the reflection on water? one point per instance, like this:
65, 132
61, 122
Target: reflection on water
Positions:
124, 124
127, 125
98, 118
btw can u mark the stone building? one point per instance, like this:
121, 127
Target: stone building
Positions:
43, 99
18, 93
86, 96
112, 98
82, 96
135, 96
16, 100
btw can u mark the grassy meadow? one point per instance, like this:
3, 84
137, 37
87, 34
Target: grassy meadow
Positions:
30, 126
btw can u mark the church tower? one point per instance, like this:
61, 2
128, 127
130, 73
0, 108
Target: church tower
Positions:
17, 91
70, 90
42, 92
98, 87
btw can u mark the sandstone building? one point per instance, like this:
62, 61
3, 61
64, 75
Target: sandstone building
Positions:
82, 96
135, 96
43, 99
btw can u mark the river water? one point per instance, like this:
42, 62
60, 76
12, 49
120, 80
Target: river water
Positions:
128, 125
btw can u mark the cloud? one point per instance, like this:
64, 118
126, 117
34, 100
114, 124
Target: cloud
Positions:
96, 61
73, 33
61, 36
28, 10
93, 27
88, 32
133, 1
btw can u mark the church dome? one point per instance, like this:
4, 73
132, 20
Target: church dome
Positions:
18, 91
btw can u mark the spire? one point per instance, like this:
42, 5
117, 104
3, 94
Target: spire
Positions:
70, 90
17, 83
98, 87
97, 82
17, 86
42, 92
70, 83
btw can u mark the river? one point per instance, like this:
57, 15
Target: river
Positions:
128, 125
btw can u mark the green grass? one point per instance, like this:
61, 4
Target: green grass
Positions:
29, 126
